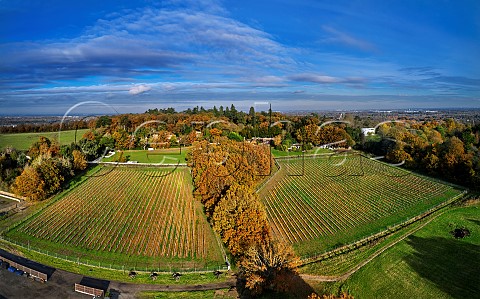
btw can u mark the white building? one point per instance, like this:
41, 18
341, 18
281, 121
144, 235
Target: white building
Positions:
368, 131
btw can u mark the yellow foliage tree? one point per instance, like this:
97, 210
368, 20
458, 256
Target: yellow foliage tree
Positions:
79, 160
30, 184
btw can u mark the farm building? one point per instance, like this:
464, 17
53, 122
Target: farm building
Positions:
33, 269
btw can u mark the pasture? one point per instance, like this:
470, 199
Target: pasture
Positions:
23, 141
428, 264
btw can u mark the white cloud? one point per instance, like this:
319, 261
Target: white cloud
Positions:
138, 89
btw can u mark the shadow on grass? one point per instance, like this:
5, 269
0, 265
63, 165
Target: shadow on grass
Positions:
297, 289
477, 222
452, 265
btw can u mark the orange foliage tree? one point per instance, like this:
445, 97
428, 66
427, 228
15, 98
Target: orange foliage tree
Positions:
30, 184
240, 219
215, 167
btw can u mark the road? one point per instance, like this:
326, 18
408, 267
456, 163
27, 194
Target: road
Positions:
61, 285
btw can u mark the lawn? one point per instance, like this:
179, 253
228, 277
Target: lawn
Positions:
225, 293
429, 264
23, 141
163, 156
277, 153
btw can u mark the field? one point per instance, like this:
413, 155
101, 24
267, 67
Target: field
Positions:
126, 216
163, 156
429, 264
277, 153
336, 200
23, 141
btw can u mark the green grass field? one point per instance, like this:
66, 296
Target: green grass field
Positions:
23, 141
429, 264
122, 216
224, 294
335, 201
277, 153
164, 156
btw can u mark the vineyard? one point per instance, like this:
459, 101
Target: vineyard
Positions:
127, 216
318, 203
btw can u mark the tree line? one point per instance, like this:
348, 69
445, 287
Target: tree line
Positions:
42, 170
225, 173
446, 149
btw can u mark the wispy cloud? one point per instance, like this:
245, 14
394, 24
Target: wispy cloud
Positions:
339, 37
322, 79
196, 50
184, 39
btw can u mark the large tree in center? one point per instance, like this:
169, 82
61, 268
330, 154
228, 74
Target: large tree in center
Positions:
240, 219
268, 266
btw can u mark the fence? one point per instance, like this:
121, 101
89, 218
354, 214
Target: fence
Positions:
141, 164
390, 229
88, 290
12, 196
173, 267
272, 175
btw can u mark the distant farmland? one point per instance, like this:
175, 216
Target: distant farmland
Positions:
336, 200
127, 216
23, 141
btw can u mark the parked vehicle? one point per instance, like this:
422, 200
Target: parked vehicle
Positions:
11, 269
19, 272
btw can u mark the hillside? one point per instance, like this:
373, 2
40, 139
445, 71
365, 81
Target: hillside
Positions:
328, 201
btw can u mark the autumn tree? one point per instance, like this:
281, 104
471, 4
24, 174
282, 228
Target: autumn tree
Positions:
51, 173
268, 266
44, 146
190, 138
336, 136
89, 135
122, 139
398, 155
30, 184
215, 133
79, 160
240, 219
215, 167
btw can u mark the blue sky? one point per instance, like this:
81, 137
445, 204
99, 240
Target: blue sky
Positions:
319, 55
